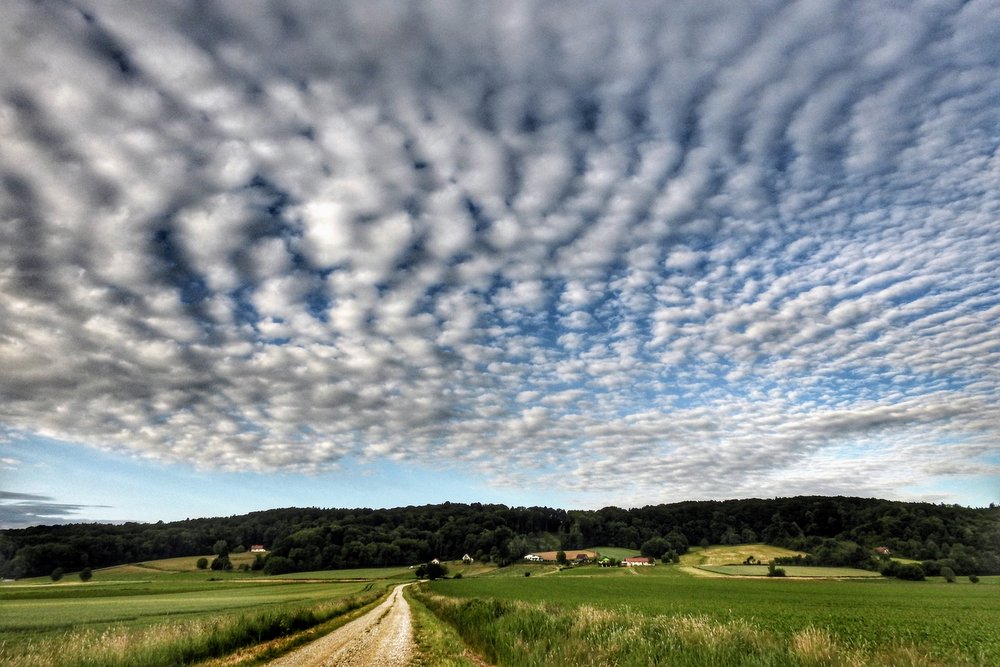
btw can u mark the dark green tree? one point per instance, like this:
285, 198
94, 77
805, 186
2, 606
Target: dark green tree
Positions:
202, 563
86, 574
57, 574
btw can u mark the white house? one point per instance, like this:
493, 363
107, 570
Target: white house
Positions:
533, 558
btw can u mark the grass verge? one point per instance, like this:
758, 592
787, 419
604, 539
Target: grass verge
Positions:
438, 644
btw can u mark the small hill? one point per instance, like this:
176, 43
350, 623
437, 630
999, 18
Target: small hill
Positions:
736, 554
617, 552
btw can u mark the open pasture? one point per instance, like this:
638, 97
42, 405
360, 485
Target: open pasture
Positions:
950, 622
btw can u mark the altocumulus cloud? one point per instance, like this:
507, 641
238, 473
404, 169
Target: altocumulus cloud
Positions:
646, 250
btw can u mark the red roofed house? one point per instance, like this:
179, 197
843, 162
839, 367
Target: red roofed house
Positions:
633, 561
257, 549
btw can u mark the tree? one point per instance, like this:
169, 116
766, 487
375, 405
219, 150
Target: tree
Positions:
222, 563
773, 571
57, 574
86, 574
278, 565
561, 557
431, 570
948, 574
220, 548
202, 563
655, 547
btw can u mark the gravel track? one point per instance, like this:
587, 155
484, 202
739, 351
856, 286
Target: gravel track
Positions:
383, 637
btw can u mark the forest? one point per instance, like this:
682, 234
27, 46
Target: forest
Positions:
834, 530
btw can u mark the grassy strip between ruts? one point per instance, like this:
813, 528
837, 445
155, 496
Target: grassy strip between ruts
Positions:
177, 643
515, 634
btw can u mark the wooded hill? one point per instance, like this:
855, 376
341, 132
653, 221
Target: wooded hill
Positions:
835, 528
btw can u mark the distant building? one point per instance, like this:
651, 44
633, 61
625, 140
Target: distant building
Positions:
636, 561
435, 561
582, 558
467, 559
257, 549
882, 551
533, 558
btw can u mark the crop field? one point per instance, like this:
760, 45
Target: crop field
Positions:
735, 554
159, 612
868, 621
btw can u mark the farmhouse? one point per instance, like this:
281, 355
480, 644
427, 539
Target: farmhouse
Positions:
467, 559
636, 561
882, 551
582, 558
257, 549
533, 558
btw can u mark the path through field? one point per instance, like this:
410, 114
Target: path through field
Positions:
383, 637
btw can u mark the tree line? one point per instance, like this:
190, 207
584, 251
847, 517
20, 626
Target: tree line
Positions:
303, 539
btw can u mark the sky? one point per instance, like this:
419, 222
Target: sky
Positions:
574, 254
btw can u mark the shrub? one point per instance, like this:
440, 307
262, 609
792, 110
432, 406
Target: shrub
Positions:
57, 574
222, 563
773, 571
278, 565
86, 574
948, 574
431, 571
458, 575
202, 563
527, 574
910, 572
973, 578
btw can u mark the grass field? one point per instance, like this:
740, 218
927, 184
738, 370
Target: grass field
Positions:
879, 621
168, 612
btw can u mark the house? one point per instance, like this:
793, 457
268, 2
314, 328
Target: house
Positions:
604, 562
582, 558
435, 561
257, 549
636, 561
882, 551
533, 558
468, 560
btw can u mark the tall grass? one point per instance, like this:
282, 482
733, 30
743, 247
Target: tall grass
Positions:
180, 643
516, 634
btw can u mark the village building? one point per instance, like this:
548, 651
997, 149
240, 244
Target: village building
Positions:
636, 561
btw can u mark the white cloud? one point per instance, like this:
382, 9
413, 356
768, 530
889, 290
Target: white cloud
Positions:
381, 231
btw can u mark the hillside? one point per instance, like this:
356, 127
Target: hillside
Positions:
314, 539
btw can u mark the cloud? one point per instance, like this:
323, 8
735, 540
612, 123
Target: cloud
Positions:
659, 252
19, 510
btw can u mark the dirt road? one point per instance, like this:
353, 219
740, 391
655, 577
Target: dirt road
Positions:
382, 637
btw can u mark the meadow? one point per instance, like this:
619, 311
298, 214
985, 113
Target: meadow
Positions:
168, 612
661, 615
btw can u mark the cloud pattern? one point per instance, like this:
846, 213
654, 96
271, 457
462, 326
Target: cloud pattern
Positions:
643, 252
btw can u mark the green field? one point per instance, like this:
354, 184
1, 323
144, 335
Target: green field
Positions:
170, 612
952, 623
